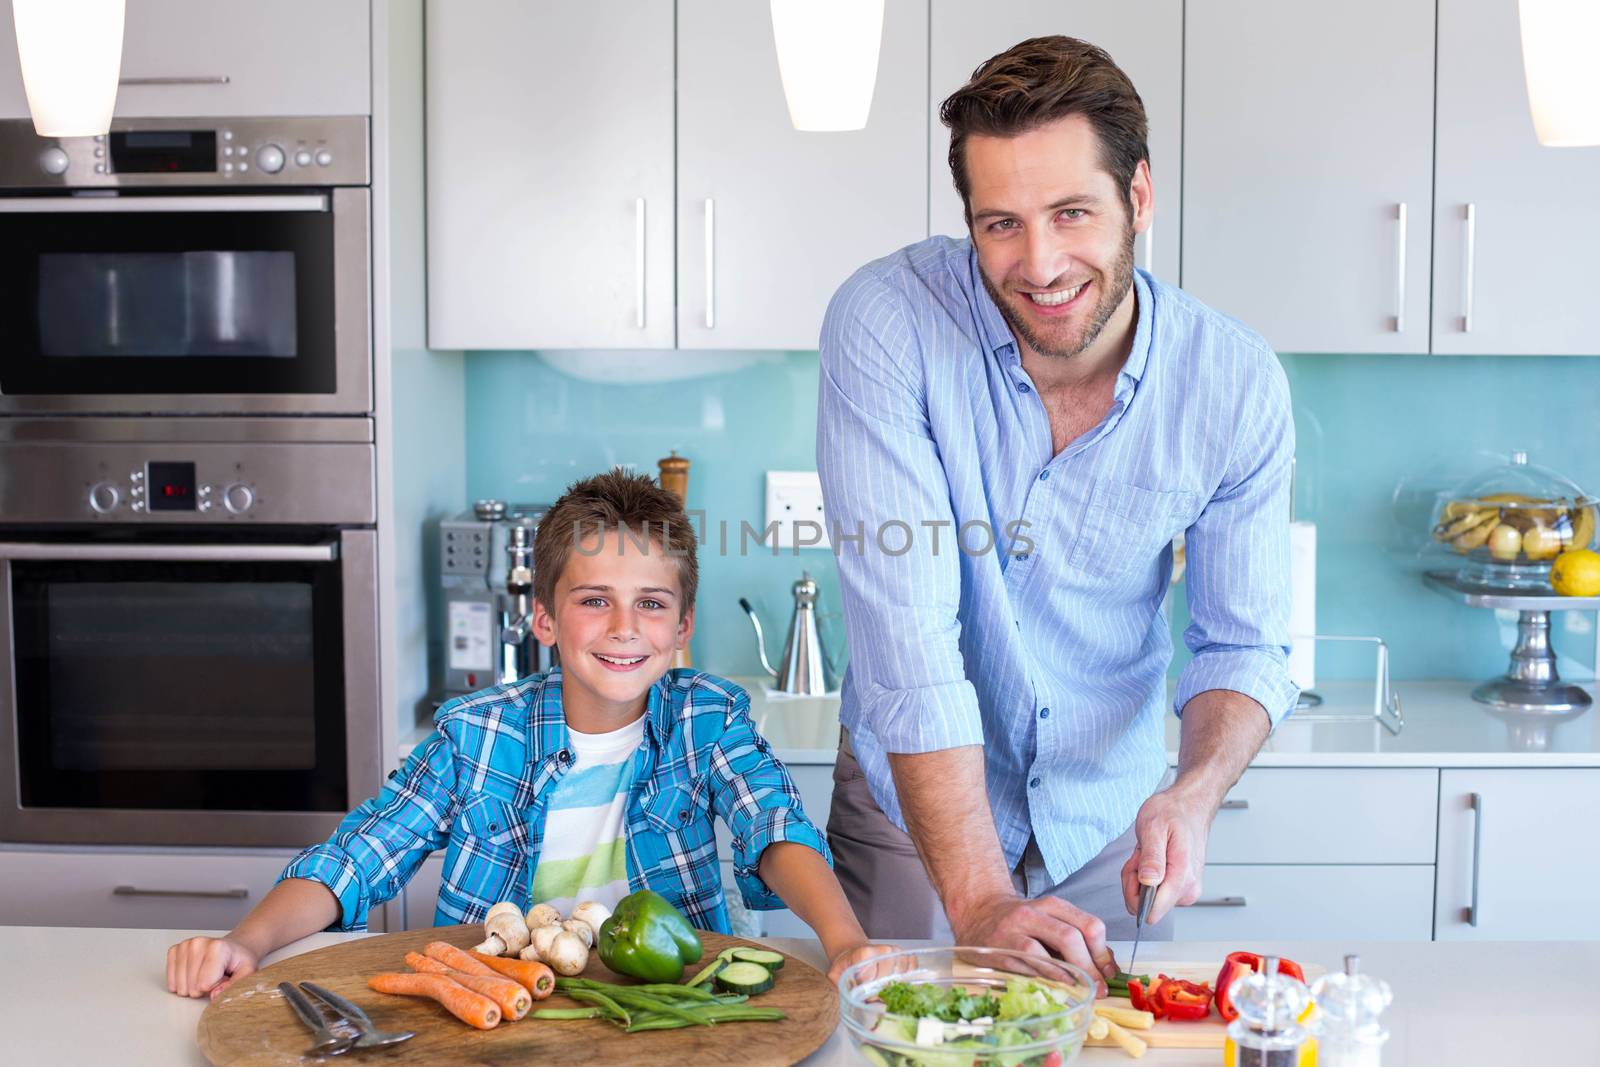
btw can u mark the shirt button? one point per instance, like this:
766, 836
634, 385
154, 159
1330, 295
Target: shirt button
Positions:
1044, 476
1044, 713
564, 756
683, 816
1022, 387
1033, 783
1022, 559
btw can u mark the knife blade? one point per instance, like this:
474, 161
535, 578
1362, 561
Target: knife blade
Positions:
1147, 895
328, 1043
344, 1007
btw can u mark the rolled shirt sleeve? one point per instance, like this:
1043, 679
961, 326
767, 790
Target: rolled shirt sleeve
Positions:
756, 798
884, 486
379, 846
1238, 562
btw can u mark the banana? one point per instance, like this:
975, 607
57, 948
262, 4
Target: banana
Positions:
1476, 537
1582, 526
1454, 528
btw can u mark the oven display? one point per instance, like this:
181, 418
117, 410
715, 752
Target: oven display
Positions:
164, 151
171, 486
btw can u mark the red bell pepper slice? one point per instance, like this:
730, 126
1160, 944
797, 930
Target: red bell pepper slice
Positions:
1179, 999
1140, 999
1239, 964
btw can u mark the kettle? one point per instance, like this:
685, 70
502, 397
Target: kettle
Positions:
804, 669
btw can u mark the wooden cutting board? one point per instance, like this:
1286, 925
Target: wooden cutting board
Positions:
1210, 1032
250, 1023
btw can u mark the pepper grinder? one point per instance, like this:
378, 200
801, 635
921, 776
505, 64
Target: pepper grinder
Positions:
674, 478
1348, 1005
1269, 1031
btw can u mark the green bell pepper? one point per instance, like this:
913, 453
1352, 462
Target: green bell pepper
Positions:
648, 938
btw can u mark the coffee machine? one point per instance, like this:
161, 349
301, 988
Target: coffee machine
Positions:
486, 573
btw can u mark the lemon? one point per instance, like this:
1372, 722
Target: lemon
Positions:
1576, 573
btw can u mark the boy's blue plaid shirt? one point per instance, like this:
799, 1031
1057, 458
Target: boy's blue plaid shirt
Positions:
478, 785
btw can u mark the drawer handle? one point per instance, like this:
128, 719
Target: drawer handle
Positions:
209, 894
180, 79
1476, 803
1219, 902
1234, 805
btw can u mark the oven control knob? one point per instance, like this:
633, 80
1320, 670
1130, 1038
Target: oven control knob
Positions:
269, 157
53, 161
103, 497
238, 497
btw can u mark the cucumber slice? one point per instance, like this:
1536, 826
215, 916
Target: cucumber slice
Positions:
746, 978
772, 961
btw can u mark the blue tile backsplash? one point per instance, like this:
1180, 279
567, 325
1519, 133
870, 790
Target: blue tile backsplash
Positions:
1378, 437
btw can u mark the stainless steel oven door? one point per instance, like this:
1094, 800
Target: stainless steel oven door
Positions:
187, 692
201, 302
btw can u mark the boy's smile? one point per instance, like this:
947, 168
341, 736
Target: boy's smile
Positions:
617, 621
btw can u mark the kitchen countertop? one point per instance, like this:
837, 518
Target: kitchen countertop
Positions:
1444, 727
83, 995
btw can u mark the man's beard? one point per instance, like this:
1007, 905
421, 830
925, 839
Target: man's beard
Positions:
1111, 296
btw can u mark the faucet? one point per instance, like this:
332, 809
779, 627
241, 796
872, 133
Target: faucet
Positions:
515, 661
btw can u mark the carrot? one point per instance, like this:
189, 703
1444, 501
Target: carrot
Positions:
451, 956
534, 976
474, 1009
513, 1000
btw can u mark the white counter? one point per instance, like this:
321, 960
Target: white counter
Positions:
71, 996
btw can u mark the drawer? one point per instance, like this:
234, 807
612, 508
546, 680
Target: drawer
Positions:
1248, 904
1327, 816
199, 891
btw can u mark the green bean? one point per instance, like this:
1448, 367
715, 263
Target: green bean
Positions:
649, 1003
569, 1013
612, 1008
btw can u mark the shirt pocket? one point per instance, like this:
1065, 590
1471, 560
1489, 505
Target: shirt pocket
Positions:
680, 810
492, 825
1126, 526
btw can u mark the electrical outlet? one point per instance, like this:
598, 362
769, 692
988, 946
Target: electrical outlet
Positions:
796, 497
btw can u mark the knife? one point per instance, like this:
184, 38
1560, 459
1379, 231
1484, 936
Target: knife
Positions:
1147, 895
328, 1042
350, 1013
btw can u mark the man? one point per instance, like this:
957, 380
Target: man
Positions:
1003, 753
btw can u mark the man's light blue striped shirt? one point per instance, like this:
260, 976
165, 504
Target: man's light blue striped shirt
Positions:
1050, 648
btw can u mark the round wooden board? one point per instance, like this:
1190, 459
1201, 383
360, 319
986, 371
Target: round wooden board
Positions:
251, 1024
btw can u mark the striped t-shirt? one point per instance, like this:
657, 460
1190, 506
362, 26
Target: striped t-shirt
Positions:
583, 856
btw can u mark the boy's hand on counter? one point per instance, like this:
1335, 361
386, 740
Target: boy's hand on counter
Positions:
837, 965
203, 965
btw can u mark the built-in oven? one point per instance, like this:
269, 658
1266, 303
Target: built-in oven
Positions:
177, 266
188, 622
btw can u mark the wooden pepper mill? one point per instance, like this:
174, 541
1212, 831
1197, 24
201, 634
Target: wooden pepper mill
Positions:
674, 478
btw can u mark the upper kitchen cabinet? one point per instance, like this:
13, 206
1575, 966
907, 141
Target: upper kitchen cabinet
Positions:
1515, 223
1146, 40
771, 220
184, 58
550, 174
1308, 169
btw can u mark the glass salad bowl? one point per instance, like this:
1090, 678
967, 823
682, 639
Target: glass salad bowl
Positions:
1510, 522
966, 1007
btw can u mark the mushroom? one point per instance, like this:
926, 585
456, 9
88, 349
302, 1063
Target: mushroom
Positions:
593, 913
568, 954
539, 947
505, 932
543, 915
581, 930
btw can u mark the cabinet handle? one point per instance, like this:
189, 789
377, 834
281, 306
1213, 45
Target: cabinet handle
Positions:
1150, 249
1234, 805
1400, 270
189, 79
1475, 801
711, 263
638, 263
1219, 902
1472, 267
209, 894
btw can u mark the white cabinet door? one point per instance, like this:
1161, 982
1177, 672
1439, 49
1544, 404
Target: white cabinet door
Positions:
550, 187
1519, 855
1522, 264
1307, 128
193, 890
1312, 902
1146, 40
1327, 815
771, 220
289, 57
421, 894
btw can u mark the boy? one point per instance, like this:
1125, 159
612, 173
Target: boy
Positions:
595, 778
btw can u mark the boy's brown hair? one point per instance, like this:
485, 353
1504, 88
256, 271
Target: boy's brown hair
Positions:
631, 504
1037, 82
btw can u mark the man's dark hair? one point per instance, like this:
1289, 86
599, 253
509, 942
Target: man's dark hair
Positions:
1037, 82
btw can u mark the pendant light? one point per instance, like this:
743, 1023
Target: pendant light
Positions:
1558, 43
828, 58
71, 56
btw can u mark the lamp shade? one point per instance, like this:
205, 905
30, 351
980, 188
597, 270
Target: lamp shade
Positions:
71, 57
828, 57
1558, 56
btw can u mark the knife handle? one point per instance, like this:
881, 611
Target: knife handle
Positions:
1147, 897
